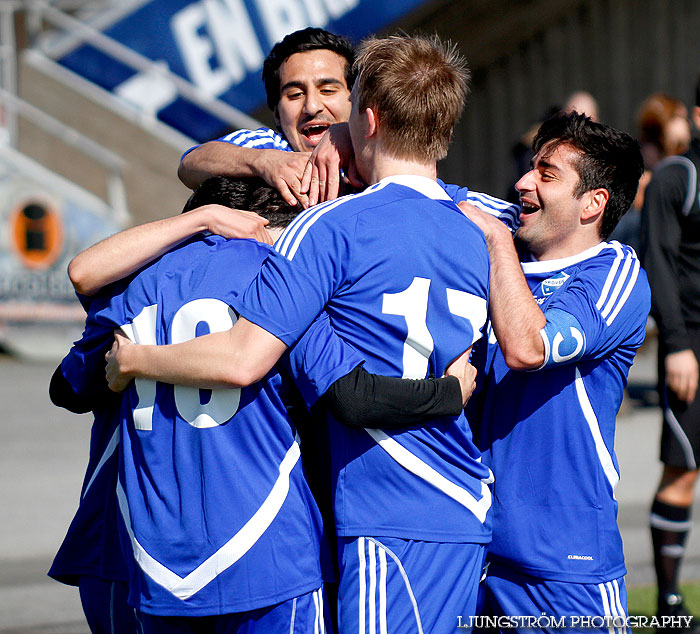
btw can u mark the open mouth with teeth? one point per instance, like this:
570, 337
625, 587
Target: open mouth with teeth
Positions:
314, 132
528, 207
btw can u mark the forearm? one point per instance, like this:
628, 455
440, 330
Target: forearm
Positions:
218, 158
666, 309
233, 358
123, 253
668, 315
516, 318
360, 399
204, 362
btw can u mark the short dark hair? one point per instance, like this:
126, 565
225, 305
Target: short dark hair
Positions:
251, 194
697, 92
608, 159
310, 39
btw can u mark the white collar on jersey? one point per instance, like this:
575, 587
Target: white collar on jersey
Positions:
544, 266
422, 184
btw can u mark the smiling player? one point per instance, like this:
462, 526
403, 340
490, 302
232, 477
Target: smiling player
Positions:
308, 76
568, 324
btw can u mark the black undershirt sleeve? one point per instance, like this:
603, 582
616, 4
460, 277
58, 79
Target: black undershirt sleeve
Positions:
360, 399
61, 394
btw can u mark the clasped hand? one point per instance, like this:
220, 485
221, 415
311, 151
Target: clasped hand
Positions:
117, 378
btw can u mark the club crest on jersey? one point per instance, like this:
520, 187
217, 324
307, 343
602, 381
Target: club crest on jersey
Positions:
553, 283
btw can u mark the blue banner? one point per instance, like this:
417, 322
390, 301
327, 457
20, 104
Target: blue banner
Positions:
219, 46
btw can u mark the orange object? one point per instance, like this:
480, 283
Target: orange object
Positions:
38, 234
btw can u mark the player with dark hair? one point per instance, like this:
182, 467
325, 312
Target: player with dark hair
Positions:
411, 506
603, 162
302, 41
308, 76
183, 462
671, 253
252, 194
90, 556
567, 324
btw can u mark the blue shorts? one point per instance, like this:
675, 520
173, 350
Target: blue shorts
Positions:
105, 607
397, 585
302, 615
586, 607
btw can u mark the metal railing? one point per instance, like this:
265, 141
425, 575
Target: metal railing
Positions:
140, 63
13, 107
8, 63
116, 193
51, 33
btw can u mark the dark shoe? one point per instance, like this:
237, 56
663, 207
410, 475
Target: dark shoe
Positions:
674, 618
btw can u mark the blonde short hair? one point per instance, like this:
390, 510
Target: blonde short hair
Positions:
417, 87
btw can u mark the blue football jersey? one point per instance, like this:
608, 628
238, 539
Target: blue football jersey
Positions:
507, 213
215, 507
403, 276
260, 139
91, 546
548, 434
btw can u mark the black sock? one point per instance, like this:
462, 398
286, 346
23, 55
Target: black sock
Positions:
670, 526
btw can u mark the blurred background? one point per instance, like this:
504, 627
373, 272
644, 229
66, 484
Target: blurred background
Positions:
100, 98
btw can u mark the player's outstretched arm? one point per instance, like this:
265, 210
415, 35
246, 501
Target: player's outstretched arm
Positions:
280, 169
360, 399
233, 358
328, 371
516, 318
123, 253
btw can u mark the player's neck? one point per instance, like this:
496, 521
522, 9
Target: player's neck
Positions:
276, 232
386, 166
568, 248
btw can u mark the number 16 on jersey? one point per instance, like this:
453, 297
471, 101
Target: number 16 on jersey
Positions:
223, 403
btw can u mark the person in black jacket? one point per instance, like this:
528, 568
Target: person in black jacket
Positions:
671, 256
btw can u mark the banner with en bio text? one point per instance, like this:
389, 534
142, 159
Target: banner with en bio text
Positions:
217, 45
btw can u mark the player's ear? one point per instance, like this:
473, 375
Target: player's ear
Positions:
595, 205
372, 121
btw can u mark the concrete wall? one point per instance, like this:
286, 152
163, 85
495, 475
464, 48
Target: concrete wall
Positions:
153, 189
